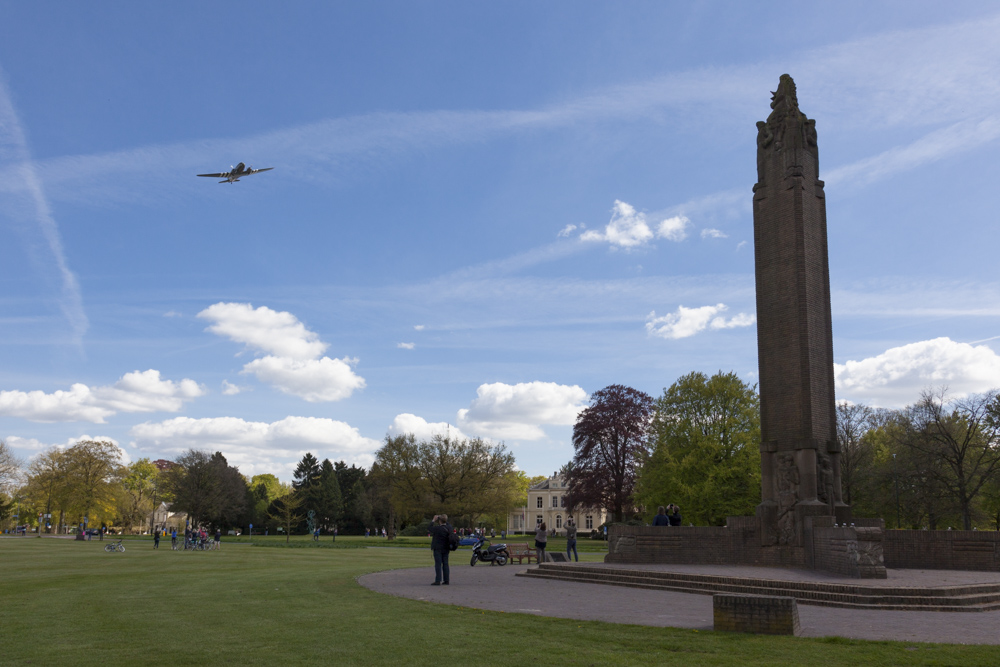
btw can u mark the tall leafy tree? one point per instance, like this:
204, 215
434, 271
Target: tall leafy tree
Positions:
94, 466
327, 497
705, 442
138, 490
207, 488
286, 510
50, 484
610, 442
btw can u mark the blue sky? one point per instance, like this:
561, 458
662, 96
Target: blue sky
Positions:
478, 214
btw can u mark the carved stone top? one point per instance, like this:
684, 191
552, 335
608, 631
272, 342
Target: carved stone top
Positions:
786, 128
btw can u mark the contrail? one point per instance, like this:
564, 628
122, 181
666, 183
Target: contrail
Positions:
14, 150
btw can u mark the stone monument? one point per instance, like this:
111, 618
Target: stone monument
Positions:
800, 459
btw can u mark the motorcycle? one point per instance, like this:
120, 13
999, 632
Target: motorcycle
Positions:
494, 554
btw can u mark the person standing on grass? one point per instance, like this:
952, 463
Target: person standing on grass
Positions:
571, 539
541, 539
173, 538
218, 538
440, 545
156, 538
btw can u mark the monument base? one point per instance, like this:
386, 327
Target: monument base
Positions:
853, 551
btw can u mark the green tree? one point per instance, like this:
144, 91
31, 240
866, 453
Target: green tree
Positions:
328, 500
286, 511
207, 488
359, 510
705, 442
93, 467
50, 485
10, 467
138, 490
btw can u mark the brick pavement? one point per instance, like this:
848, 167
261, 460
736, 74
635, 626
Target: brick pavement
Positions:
498, 589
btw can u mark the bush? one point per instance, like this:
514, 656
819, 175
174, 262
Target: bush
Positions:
416, 530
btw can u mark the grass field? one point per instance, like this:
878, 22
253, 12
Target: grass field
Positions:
68, 603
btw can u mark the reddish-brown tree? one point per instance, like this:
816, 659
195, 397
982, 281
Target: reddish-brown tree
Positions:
609, 438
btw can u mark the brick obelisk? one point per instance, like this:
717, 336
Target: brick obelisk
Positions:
800, 459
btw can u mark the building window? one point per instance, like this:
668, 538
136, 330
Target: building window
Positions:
562, 501
539, 503
558, 520
538, 519
555, 501
589, 522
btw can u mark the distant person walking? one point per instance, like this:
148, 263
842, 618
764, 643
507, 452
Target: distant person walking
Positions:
661, 518
440, 545
675, 518
218, 538
173, 538
541, 539
156, 538
571, 540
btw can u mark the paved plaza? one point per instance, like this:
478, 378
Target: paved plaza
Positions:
498, 588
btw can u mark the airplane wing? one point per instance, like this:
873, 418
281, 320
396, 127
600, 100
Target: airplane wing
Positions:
257, 171
224, 175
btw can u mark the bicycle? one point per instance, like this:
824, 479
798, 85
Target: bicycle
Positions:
111, 547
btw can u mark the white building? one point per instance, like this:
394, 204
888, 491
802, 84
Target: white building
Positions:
547, 502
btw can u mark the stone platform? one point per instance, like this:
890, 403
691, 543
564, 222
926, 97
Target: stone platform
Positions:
499, 589
902, 590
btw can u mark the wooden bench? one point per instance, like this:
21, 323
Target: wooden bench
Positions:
521, 551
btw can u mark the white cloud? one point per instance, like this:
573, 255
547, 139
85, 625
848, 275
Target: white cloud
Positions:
314, 380
172, 313
406, 346
566, 231
517, 412
673, 229
423, 429
630, 228
418, 327
257, 447
135, 392
713, 234
293, 363
687, 322
36, 446
271, 331
897, 376
230, 389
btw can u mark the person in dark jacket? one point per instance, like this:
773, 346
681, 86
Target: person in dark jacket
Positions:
440, 537
661, 518
675, 518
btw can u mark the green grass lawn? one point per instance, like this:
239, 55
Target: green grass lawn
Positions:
69, 603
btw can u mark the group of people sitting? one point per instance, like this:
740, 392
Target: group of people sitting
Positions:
668, 516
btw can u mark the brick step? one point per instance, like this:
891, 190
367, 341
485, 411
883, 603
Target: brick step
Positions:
811, 586
916, 600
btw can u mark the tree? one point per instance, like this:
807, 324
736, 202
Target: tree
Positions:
49, 483
961, 439
307, 472
285, 511
138, 485
10, 467
328, 501
348, 478
207, 488
461, 478
360, 508
93, 469
704, 438
610, 441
